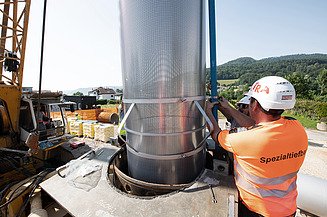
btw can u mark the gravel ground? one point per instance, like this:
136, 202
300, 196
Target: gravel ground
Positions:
315, 162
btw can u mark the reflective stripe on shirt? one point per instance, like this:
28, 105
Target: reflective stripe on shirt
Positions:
263, 181
245, 185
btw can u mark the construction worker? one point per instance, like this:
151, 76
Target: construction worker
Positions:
243, 104
267, 157
233, 117
77, 116
42, 118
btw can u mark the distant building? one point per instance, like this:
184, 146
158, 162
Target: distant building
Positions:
119, 96
103, 93
27, 89
82, 102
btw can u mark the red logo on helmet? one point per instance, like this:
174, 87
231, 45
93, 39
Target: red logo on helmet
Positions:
258, 88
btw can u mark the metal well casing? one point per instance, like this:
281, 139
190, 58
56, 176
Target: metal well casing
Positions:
163, 59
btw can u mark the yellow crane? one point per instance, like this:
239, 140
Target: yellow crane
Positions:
20, 127
14, 26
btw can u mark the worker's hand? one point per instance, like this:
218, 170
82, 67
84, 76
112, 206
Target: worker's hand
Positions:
223, 102
210, 105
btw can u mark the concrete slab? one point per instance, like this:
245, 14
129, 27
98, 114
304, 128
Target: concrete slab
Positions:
105, 200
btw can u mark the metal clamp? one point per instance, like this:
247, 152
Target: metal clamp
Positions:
123, 122
164, 100
166, 157
147, 134
164, 134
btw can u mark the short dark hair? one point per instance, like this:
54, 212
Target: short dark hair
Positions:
273, 112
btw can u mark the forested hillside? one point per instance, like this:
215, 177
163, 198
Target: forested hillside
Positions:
307, 72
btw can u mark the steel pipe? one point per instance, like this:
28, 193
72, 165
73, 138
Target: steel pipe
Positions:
163, 60
312, 194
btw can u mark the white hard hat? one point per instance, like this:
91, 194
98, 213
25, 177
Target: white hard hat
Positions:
273, 92
245, 100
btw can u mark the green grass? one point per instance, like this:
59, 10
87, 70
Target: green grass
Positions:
109, 106
123, 132
306, 122
227, 82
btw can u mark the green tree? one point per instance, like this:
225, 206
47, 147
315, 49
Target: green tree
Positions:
249, 78
301, 82
322, 81
78, 94
119, 90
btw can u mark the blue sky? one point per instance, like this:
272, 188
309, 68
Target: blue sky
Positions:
82, 40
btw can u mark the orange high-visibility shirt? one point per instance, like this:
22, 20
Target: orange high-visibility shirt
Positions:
266, 161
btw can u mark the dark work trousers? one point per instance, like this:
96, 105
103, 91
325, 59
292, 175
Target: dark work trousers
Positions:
243, 211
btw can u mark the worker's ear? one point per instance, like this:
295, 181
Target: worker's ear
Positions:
256, 105
253, 105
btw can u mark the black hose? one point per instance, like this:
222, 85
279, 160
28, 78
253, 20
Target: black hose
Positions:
11, 198
35, 177
4, 190
21, 169
35, 185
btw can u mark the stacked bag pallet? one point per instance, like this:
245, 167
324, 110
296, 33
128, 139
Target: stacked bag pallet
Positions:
103, 132
68, 126
76, 128
88, 129
69, 121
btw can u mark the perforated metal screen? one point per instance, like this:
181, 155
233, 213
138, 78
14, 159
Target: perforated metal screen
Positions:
163, 57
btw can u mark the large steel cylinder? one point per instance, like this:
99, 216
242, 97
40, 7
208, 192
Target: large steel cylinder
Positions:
163, 59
